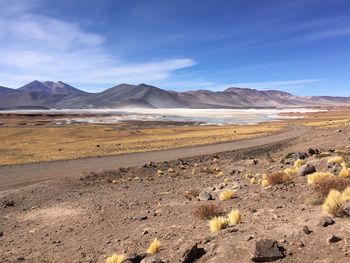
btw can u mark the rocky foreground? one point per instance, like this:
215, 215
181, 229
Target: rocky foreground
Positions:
278, 213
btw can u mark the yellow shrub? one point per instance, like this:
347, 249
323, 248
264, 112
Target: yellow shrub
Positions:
226, 195
227, 180
116, 259
234, 217
220, 174
154, 247
336, 159
218, 223
345, 195
265, 183
333, 204
345, 171
298, 163
291, 171
317, 177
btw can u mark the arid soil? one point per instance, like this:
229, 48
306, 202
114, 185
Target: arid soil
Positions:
89, 217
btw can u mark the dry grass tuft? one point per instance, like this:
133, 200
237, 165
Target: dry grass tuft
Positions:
291, 172
226, 195
315, 178
218, 223
116, 258
154, 247
326, 183
345, 171
234, 217
336, 160
208, 211
191, 194
334, 203
275, 178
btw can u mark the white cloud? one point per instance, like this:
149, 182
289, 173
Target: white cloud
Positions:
39, 47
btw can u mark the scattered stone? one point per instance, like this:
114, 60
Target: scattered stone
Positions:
306, 170
1, 234
205, 196
97, 145
306, 230
20, 258
333, 239
144, 232
192, 253
8, 203
326, 221
312, 151
338, 131
346, 208
268, 250
135, 258
152, 259
141, 218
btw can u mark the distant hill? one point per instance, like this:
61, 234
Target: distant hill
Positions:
61, 95
51, 88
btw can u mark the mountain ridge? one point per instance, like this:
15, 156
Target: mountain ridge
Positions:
51, 94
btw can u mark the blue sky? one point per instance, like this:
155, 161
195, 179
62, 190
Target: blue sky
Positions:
299, 46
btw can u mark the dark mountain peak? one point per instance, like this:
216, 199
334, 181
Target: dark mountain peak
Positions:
51, 88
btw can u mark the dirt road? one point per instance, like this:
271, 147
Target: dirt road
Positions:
25, 174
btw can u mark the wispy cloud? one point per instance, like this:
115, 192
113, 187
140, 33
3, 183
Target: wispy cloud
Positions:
34, 46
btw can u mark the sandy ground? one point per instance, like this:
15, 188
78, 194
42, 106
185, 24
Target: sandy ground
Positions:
21, 175
87, 218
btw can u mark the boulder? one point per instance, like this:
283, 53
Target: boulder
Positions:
306, 170
267, 250
205, 196
192, 253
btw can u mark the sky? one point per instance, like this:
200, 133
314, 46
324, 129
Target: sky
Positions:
299, 46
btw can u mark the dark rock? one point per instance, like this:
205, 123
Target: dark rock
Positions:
306, 169
312, 151
333, 239
205, 196
346, 208
135, 258
141, 218
306, 230
1, 234
8, 203
267, 250
326, 221
152, 259
192, 253
20, 258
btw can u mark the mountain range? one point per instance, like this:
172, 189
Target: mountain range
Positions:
50, 94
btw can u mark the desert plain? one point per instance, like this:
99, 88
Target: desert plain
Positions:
89, 216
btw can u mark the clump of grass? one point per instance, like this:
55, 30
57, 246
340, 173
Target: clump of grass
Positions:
227, 180
191, 194
218, 223
160, 172
336, 160
334, 203
208, 211
253, 180
116, 258
326, 183
234, 217
154, 247
275, 178
315, 178
220, 174
295, 169
226, 195
345, 171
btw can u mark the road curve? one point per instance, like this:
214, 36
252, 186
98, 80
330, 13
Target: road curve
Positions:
24, 174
